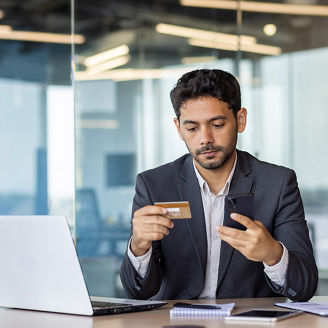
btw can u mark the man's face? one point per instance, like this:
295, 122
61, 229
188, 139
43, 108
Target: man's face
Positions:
209, 129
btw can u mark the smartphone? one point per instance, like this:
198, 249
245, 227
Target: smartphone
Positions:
262, 315
238, 203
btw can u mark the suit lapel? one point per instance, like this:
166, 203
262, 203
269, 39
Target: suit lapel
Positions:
240, 184
189, 190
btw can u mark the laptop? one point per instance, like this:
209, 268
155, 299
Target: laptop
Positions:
40, 270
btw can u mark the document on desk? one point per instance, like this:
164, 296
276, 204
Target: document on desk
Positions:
197, 309
314, 308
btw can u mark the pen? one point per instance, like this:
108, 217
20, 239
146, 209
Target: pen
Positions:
197, 306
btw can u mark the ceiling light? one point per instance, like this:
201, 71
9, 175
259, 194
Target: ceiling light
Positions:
188, 32
270, 29
110, 64
209, 39
129, 74
255, 48
261, 7
41, 37
197, 59
106, 55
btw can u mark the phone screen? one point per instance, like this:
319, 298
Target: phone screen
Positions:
263, 315
238, 203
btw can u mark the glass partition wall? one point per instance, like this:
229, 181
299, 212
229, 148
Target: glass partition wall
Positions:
36, 105
134, 53
125, 70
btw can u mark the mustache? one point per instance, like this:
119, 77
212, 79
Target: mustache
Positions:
208, 148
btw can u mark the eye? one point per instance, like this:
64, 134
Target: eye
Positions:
191, 128
218, 126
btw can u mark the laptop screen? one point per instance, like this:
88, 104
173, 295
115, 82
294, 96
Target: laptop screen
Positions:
40, 269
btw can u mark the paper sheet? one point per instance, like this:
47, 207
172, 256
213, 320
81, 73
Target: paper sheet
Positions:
315, 308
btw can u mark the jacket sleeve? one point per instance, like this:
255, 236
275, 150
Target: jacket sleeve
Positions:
134, 285
291, 229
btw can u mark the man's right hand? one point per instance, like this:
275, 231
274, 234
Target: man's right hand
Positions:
149, 225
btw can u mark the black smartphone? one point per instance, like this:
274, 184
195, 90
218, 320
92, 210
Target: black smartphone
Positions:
262, 315
238, 203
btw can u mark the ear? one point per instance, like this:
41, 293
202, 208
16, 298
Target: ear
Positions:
177, 125
241, 119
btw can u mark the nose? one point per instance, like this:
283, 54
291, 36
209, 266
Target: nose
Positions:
206, 136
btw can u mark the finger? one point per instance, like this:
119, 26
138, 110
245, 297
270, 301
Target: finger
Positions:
156, 228
259, 224
154, 236
154, 219
242, 219
232, 232
150, 210
234, 242
227, 230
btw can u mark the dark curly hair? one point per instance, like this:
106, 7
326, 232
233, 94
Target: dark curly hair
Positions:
206, 82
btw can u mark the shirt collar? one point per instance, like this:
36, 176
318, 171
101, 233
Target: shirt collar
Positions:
204, 186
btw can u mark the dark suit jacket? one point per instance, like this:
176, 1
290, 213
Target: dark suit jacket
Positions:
178, 262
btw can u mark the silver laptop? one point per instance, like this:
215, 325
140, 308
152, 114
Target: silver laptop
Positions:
40, 270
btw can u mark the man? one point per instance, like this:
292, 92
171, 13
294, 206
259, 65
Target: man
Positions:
202, 257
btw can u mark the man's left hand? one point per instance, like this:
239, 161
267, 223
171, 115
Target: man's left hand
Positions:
255, 243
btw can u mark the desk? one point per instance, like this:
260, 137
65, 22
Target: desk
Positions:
156, 318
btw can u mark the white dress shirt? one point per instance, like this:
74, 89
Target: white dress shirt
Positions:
214, 214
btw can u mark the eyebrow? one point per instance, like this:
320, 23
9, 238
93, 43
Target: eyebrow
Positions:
219, 117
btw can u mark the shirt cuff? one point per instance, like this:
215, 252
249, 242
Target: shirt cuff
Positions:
140, 263
277, 272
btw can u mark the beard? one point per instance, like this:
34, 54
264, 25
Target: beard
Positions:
226, 153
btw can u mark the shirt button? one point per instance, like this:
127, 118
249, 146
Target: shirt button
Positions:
214, 270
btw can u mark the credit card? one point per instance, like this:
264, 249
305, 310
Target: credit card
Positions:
176, 210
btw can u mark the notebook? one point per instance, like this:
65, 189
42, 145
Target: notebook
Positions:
40, 270
203, 310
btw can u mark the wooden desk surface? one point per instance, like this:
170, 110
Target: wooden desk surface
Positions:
156, 318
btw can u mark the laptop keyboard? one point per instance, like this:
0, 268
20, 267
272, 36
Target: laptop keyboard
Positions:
98, 304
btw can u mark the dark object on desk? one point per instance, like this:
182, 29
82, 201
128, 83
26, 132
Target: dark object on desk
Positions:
197, 306
183, 326
238, 203
263, 315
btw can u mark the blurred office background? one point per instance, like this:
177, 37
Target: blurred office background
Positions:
84, 103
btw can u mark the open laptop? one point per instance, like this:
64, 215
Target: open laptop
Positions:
40, 270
